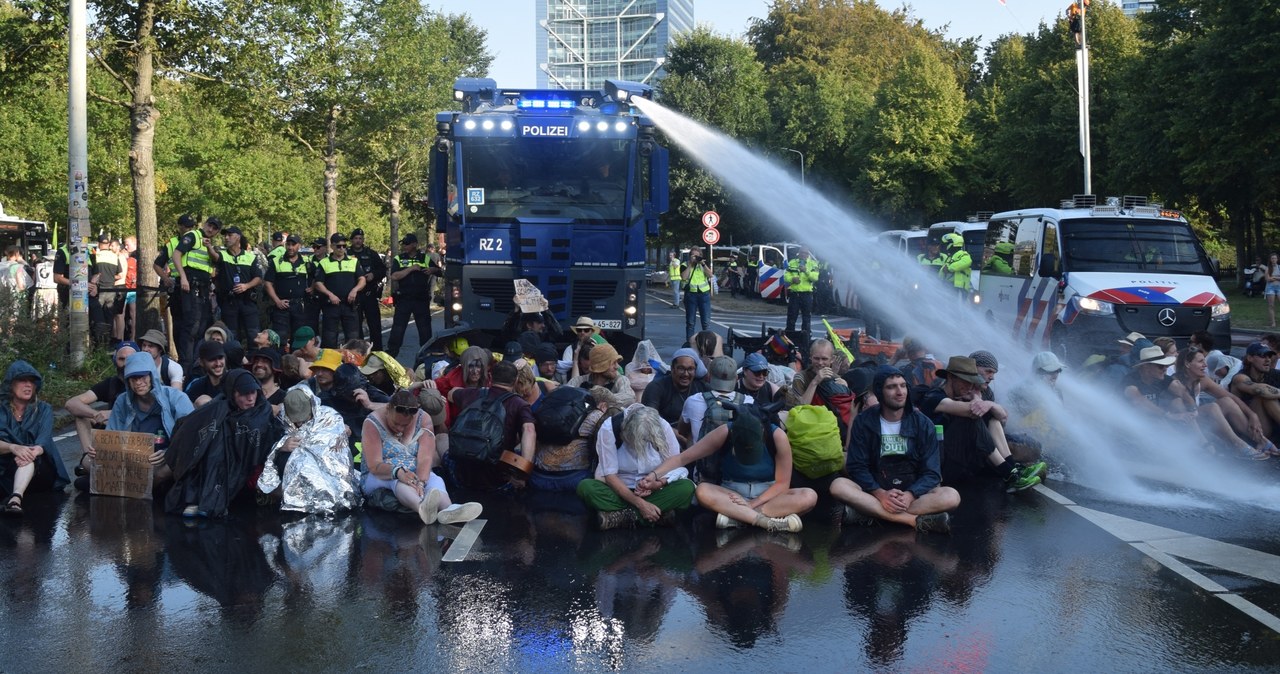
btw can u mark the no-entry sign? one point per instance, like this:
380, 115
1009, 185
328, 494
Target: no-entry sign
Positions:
710, 220
710, 236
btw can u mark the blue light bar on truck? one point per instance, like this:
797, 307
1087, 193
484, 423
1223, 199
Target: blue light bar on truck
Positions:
547, 104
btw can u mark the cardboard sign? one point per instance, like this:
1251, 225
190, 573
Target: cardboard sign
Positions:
122, 466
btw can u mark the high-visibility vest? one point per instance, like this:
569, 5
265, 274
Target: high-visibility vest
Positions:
673, 270
198, 257
801, 279
698, 282
956, 268
168, 249
332, 266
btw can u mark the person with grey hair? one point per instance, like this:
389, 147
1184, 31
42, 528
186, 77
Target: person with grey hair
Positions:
626, 491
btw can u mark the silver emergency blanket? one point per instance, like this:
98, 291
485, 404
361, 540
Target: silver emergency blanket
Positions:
319, 476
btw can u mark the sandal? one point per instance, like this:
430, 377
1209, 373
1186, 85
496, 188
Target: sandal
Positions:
14, 506
1270, 448
1252, 454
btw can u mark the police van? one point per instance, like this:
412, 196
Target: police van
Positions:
1077, 278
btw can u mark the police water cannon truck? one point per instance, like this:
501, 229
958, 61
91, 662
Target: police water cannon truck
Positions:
556, 187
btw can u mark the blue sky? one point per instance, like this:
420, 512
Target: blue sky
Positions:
510, 23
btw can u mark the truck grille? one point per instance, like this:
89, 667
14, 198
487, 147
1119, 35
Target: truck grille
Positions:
587, 292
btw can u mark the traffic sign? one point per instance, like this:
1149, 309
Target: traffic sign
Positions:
710, 236
710, 220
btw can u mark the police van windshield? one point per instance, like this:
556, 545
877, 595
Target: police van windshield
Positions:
1167, 246
506, 178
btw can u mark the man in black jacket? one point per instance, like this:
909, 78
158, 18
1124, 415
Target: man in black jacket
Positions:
894, 465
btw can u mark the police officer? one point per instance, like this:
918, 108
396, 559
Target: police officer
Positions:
800, 276
316, 302
167, 269
673, 276
1001, 261
288, 279
413, 271
239, 277
375, 273
956, 263
278, 246
339, 280
932, 257
196, 258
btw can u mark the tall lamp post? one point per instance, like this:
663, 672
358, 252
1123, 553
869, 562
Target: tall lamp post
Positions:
801, 163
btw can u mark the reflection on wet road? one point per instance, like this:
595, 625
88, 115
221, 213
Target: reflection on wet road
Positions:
1024, 583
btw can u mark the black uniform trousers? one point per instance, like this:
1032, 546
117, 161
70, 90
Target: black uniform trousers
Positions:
240, 312
419, 310
799, 305
370, 317
287, 321
197, 316
341, 316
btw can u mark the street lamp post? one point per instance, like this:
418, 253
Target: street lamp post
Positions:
801, 163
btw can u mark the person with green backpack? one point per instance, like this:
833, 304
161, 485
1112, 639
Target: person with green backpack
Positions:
894, 463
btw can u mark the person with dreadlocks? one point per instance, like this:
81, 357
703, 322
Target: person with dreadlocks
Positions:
631, 445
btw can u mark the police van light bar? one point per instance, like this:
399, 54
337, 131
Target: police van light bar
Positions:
546, 104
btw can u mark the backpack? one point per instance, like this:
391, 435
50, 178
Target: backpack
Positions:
717, 414
816, 447
478, 432
561, 414
839, 399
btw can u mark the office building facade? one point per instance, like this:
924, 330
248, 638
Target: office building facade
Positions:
581, 43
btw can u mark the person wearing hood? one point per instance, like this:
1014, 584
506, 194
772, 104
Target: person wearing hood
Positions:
311, 465
147, 406
754, 483
353, 397
894, 463
668, 392
29, 457
472, 371
644, 366
82, 409
216, 449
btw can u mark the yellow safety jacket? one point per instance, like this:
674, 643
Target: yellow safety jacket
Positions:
198, 257
801, 279
698, 282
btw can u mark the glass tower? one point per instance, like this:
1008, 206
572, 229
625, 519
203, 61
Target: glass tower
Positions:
581, 43
1136, 7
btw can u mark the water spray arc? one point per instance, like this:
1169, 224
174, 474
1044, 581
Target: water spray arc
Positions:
1104, 442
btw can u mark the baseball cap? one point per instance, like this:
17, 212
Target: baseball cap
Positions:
232, 230
1046, 361
337, 237
357, 232
1258, 349
293, 238
724, 373
372, 364
409, 238
104, 238
302, 336
211, 350
755, 362
246, 383
319, 242
214, 223
186, 221
277, 236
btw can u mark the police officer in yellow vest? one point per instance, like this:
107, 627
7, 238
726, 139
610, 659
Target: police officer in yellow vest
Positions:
696, 275
288, 280
932, 257
196, 257
339, 280
956, 263
237, 291
413, 271
800, 276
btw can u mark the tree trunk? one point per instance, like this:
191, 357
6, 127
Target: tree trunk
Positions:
331, 172
393, 205
144, 117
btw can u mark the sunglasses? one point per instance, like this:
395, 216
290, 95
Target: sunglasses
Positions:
582, 330
339, 245
404, 410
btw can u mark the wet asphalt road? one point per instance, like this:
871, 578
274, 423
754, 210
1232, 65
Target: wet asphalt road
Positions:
1062, 579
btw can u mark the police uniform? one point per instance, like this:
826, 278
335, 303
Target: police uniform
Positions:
289, 280
412, 296
800, 275
239, 311
367, 307
197, 300
339, 278
956, 264
315, 301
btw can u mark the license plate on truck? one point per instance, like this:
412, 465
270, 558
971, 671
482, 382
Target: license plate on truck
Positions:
610, 324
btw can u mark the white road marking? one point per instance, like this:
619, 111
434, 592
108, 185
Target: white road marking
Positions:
64, 436
1166, 545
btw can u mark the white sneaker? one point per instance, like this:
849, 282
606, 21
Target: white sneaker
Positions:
725, 522
790, 523
429, 506
460, 512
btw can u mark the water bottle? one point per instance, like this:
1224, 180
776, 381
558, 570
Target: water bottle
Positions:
235, 278
937, 428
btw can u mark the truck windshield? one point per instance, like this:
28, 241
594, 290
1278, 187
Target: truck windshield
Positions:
1127, 245
508, 178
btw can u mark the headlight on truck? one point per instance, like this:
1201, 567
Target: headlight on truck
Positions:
1221, 312
1094, 307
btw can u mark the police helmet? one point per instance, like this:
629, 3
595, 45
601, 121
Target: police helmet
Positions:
953, 240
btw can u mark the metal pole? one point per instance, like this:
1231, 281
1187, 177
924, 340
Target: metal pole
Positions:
801, 162
1083, 60
78, 181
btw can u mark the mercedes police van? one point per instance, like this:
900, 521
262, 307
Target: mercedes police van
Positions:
1077, 278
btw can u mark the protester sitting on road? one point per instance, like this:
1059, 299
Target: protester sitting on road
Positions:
217, 448
213, 362
1223, 368
265, 366
721, 385
708, 344
916, 364
352, 396
560, 466
29, 458
604, 371
755, 475
629, 488
306, 345
1024, 448
519, 435
754, 381
471, 372
385, 372
293, 371
820, 385
82, 409
1257, 384
586, 332
668, 392
528, 386
894, 463
434, 404
1191, 370
644, 366
399, 451
973, 435
155, 343
266, 339
146, 407
1158, 395
549, 363
356, 351
1035, 406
